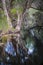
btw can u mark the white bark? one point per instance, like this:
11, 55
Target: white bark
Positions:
18, 27
6, 14
19, 21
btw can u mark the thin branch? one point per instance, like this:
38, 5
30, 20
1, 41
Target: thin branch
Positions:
41, 27
17, 32
25, 6
36, 9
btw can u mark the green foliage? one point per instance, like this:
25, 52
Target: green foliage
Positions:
1, 14
32, 11
29, 41
4, 39
20, 1
17, 8
13, 11
3, 23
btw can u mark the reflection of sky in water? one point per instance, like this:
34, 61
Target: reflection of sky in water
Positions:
8, 58
1, 63
10, 49
30, 48
32, 32
30, 43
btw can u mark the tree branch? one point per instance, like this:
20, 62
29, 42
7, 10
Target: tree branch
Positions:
36, 9
27, 6
37, 26
6, 14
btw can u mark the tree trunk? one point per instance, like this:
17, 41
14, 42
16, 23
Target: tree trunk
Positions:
6, 14
18, 28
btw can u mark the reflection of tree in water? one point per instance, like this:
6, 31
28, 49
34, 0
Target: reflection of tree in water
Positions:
39, 46
12, 56
34, 53
32, 56
10, 49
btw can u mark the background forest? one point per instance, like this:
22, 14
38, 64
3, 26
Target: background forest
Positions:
21, 32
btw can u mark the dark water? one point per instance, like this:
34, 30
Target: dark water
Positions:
10, 49
11, 56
